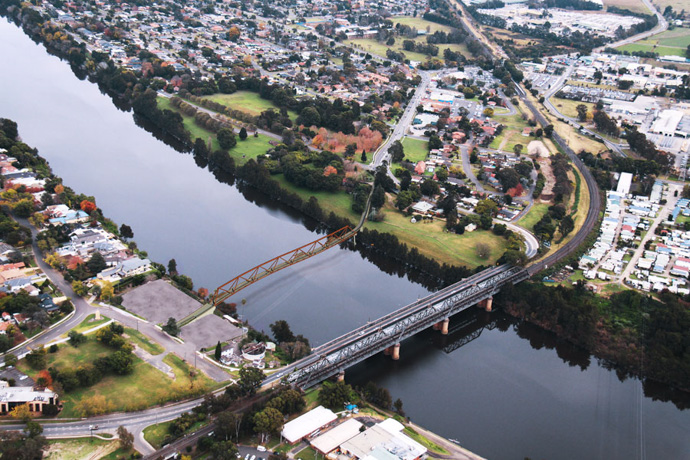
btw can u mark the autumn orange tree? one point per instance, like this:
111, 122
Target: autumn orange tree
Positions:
87, 206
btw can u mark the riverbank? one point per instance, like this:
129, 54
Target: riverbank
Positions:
639, 336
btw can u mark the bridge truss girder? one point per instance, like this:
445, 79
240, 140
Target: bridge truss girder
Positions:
381, 338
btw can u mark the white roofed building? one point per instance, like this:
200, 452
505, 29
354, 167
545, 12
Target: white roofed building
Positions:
307, 424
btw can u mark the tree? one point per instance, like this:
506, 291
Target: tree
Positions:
125, 437
335, 395
378, 198
243, 133
363, 158
517, 148
76, 338
96, 263
566, 226
486, 207
21, 412
94, 405
483, 250
79, 288
268, 421
581, 112
126, 231
10, 360
396, 151
218, 351
37, 358
172, 267
442, 174
87, 206
33, 429
224, 450
226, 138
107, 290
250, 380
17, 445
171, 327
398, 406
282, 332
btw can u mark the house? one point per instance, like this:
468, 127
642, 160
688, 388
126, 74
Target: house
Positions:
11, 397
125, 269
47, 303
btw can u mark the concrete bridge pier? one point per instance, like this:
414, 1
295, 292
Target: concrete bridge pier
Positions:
388, 351
396, 352
341, 376
486, 304
444, 326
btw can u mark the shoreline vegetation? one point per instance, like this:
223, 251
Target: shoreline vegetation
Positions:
128, 91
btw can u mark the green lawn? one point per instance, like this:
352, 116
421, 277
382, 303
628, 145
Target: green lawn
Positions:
511, 134
243, 152
433, 241
144, 387
534, 215
415, 150
144, 342
247, 101
432, 446
90, 323
669, 43
155, 434
306, 454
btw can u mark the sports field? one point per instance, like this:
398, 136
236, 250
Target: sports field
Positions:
669, 43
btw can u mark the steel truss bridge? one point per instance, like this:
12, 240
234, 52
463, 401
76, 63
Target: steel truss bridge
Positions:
335, 356
269, 267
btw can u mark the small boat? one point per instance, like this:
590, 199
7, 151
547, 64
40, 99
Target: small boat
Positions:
455, 441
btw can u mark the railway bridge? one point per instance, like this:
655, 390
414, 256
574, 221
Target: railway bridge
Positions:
386, 333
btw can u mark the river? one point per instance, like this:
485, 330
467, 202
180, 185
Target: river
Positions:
507, 394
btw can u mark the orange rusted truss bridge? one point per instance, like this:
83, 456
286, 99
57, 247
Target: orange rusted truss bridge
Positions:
260, 272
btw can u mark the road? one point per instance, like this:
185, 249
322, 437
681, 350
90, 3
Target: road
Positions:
404, 122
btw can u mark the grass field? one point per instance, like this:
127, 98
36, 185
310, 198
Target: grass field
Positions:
81, 448
633, 5
243, 152
144, 342
511, 134
534, 215
247, 101
372, 46
575, 140
433, 241
653, 46
144, 387
568, 107
89, 323
415, 150
155, 434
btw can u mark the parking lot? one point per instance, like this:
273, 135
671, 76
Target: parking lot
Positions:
157, 301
